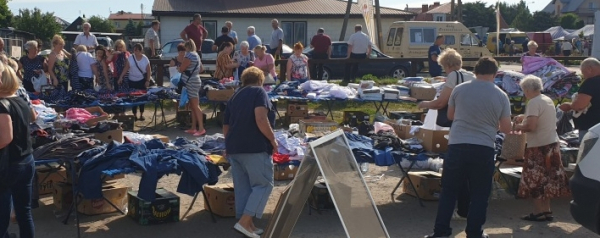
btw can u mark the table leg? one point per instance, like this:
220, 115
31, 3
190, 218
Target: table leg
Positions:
377, 108
385, 107
405, 175
190, 207
329, 106
212, 215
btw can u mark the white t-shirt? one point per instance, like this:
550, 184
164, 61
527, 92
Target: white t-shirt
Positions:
452, 78
566, 46
542, 107
90, 40
360, 42
85, 60
134, 73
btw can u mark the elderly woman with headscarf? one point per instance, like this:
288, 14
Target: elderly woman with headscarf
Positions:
33, 65
543, 176
244, 57
248, 128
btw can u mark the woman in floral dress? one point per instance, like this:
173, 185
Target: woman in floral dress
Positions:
102, 74
244, 57
297, 66
118, 59
58, 63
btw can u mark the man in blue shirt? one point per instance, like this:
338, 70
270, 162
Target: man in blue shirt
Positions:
253, 40
432, 55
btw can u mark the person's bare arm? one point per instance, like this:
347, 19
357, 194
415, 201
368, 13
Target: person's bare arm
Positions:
183, 35
148, 74
289, 70
45, 66
529, 125
204, 33
329, 51
260, 115
579, 104
96, 72
153, 50
20, 71
185, 63
105, 72
125, 71
215, 48
451, 111
439, 102
51, 61
225, 130
505, 125
66, 52
369, 49
7, 130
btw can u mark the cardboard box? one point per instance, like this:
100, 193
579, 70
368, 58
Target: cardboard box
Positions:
105, 179
422, 92
109, 136
297, 110
360, 116
433, 141
47, 180
402, 130
62, 196
164, 209
114, 192
220, 95
284, 172
315, 126
291, 120
163, 138
96, 111
127, 122
221, 199
427, 184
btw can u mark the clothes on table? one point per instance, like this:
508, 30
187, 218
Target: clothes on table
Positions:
289, 145
212, 143
68, 148
154, 160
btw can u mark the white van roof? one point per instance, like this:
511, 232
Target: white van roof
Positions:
430, 22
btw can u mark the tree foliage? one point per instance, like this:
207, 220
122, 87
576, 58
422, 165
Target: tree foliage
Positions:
43, 25
478, 14
140, 28
130, 29
101, 24
569, 21
541, 21
518, 15
6, 16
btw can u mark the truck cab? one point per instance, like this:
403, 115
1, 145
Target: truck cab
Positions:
412, 39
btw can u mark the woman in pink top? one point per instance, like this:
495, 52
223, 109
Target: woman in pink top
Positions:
266, 63
117, 59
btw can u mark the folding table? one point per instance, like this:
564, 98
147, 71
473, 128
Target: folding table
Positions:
405, 175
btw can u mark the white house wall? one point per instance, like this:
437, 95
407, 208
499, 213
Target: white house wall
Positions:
172, 26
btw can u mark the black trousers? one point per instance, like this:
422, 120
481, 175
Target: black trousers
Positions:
316, 70
138, 85
352, 68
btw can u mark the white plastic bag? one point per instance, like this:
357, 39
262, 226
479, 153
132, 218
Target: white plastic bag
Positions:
430, 121
380, 126
39, 81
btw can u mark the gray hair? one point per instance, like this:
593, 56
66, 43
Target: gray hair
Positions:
87, 24
275, 20
244, 44
251, 28
531, 83
590, 62
30, 44
532, 44
228, 22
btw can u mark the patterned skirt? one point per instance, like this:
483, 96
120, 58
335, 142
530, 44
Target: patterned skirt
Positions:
543, 174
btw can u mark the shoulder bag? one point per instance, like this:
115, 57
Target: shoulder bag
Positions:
140, 69
187, 73
442, 115
4, 156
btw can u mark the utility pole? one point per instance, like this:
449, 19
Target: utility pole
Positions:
460, 8
378, 22
452, 8
346, 18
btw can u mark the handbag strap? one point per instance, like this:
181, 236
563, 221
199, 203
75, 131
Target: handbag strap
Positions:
461, 76
136, 64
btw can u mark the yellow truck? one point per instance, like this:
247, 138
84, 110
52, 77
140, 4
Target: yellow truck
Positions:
505, 38
412, 39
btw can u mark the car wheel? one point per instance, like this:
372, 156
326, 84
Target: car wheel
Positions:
326, 74
399, 72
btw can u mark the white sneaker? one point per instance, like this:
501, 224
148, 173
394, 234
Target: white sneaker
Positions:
259, 231
242, 230
457, 217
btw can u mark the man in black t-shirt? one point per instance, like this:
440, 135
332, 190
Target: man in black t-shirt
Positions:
588, 98
222, 39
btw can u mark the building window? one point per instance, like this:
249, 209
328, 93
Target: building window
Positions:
439, 18
591, 6
117, 24
293, 32
211, 27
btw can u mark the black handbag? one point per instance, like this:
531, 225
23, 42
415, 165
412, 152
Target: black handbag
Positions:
442, 116
187, 73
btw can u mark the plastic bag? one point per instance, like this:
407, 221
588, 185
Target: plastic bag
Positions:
175, 80
38, 82
380, 126
563, 122
183, 99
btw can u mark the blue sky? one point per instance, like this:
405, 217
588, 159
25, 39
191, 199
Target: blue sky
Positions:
70, 9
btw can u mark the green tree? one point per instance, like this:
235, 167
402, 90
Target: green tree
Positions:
541, 21
478, 14
6, 15
130, 29
569, 21
580, 24
101, 24
140, 28
42, 25
523, 20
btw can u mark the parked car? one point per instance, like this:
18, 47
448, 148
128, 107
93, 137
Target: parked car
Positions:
106, 42
339, 50
286, 50
585, 183
169, 51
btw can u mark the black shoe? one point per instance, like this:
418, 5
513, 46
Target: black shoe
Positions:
434, 235
142, 118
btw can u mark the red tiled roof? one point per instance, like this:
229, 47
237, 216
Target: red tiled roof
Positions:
260, 7
127, 16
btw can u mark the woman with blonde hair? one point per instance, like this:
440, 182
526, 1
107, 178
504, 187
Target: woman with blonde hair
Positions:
190, 67
58, 63
117, 59
16, 189
297, 65
248, 128
86, 65
265, 62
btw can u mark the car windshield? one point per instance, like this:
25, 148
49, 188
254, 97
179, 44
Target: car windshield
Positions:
519, 40
103, 42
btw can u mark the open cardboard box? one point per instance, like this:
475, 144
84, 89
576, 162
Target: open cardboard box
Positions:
96, 111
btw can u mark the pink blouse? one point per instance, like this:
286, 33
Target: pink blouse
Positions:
267, 60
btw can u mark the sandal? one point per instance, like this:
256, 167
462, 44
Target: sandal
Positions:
200, 133
191, 131
535, 217
549, 216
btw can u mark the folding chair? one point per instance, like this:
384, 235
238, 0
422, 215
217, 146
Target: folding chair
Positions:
405, 175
